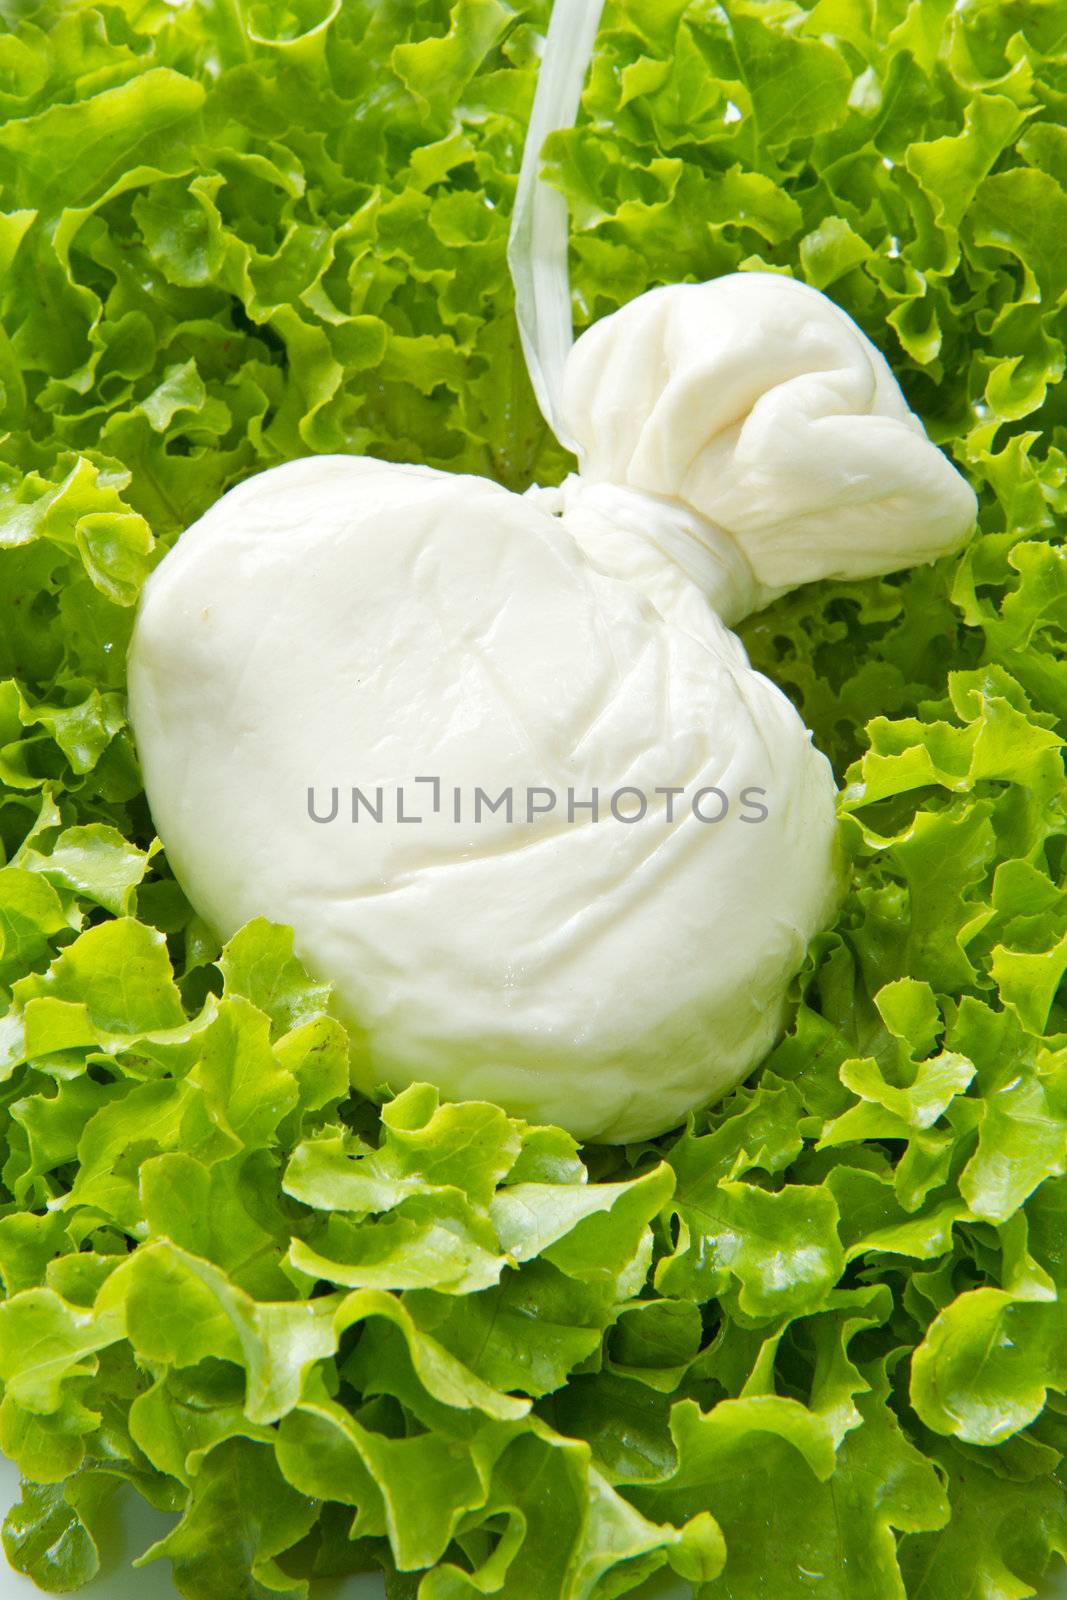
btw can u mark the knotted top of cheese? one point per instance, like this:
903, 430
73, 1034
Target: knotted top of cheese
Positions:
751, 416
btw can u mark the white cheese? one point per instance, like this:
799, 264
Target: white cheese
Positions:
340, 623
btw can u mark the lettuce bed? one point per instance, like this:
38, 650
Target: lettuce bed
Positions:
814, 1343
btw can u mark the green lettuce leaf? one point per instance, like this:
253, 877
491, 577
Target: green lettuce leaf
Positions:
814, 1339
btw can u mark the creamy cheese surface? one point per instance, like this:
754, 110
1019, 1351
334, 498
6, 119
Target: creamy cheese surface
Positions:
341, 623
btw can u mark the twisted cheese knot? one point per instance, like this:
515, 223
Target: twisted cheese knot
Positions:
600, 515
766, 437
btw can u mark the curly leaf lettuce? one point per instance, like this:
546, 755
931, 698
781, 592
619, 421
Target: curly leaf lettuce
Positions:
816, 1336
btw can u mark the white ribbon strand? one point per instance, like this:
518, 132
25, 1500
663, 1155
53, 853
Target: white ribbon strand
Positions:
537, 243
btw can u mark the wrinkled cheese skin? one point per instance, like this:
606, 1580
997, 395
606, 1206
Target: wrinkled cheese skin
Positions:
341, 621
